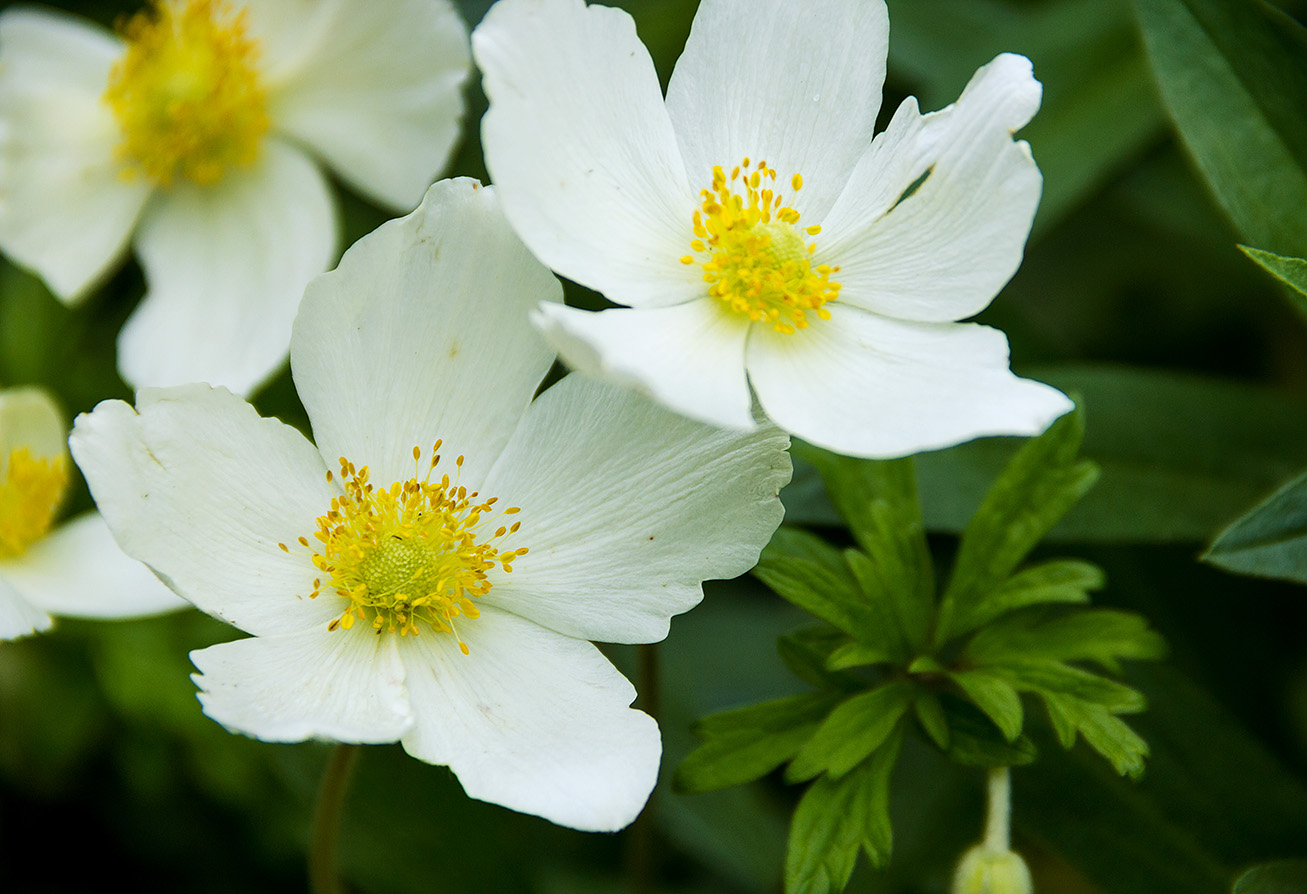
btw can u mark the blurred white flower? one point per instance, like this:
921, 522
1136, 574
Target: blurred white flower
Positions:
764, 243
71, 569
448, 604
189, 136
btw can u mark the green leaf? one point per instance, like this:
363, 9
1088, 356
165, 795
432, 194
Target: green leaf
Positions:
930, 713
1292, 272
994, 694
837, 818
852, 731
1036, 489
879, 501
1105, 733
808, 654
1102, 635
1280, 877
1235, 80
856, 654
1270, 540
974, 740
745, 744
1057, 581
1057, 679
810, 573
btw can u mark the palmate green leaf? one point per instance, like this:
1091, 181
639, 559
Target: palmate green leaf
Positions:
1105, 733
1036, 489
809, 653
1103, 636
1292, 272
994, 694
1280, 877
1057, 581
1270, 540
878, 500
837, 818
930, 714
1234, 78
974, 740
1054, 678
855, 729
742, 745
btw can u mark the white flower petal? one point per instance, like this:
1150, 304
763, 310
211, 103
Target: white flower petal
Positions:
869, 386
199, 487
226, 266
943, 252
796, 85
65, 212
532, 720
627, 508
578, 142
77, 570
18, 617
422, 333
689, 357
30, 418
373, 86
342, 685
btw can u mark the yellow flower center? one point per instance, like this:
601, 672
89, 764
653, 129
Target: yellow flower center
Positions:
187, 93
755, 258
414, 553
29, 498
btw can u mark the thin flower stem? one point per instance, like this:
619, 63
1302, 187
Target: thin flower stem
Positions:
1000, 809
640, 843
323, 877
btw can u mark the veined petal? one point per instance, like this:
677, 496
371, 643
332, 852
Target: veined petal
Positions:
77, 570
316, 684
796, 85
18, 617
226, 267
945, 250
65, 211
689, 357
580, 146
373, 86
422, 333
198, 486
29, 418
627, 508
533, 720
865, 385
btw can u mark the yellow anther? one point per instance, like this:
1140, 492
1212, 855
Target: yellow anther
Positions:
30, 496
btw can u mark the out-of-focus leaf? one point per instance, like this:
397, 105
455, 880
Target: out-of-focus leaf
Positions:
1034, 490
1103, 636
1235, 81
1292, 272
996, 696
1280, 877
974, 741
1270, 540
1105, 733
809, 654
931, 716
853, 730
1059, 581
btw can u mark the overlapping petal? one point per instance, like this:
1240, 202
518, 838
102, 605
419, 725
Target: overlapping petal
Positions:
374, 87
29, 419
623, 508
226, 269
65, 212
533, 720
874, 387
578, 141
197, 485
944, 251
422, 333
316, 683
796, 85
690, 357
79, 571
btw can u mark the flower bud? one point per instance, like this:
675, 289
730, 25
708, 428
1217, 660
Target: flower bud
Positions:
985, 870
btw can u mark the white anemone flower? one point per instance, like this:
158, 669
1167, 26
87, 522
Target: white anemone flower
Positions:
75, 568
192, 136
446, 603
764, 243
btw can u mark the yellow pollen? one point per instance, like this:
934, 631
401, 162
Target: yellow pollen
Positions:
758, 262
411, 554
187, 93
29, 498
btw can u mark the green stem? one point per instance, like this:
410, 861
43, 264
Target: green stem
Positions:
998, 823
323, 877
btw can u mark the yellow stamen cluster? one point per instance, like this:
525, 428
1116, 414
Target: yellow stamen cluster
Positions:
408, 554
759, 264
187, 93
29, 498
